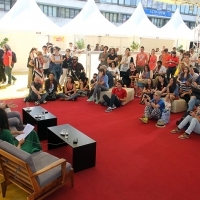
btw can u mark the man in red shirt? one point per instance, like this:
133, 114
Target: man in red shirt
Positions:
118, 95
141, 60
7, 60
172, 63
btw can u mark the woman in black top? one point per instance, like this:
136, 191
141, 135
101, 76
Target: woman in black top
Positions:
66, 66
112, 57
162, 85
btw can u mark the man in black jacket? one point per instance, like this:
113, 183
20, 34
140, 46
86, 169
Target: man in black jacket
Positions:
51, 87
2, 74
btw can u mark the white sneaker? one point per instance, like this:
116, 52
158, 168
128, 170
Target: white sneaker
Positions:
113, 107
91, 98
109, 109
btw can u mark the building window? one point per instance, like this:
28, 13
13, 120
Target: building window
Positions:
54, 11
45, 10
127, 2
67, 12
114, 1
41, 7
2, 5
154, 4
7, 5
50, 11
149, 3
121, 2
71, 13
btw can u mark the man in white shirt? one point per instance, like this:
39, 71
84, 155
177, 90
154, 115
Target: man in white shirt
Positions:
47, 57
72, 49
193, 57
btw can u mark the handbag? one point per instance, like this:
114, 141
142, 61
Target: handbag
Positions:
165, 117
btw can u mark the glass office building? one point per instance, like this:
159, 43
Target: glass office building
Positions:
116, 11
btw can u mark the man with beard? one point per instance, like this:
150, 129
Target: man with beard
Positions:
77, 69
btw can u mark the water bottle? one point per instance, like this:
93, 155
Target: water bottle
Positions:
43, 114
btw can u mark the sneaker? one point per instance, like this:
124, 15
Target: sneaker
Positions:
113, 107
44, 101
144, 120
37, 103
91, 98
97, 101
14, 81
109, 109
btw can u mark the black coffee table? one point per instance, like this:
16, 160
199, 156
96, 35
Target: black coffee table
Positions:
42, 123
84, 152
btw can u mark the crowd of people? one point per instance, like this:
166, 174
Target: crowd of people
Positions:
157, 81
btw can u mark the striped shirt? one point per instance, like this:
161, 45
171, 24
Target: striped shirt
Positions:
185, 88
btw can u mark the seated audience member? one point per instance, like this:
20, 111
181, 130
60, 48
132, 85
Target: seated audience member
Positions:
76, 69
153, 108
133, 75
172, 89
14, 117
194, 124
34, 93
148, 90
184, 76
31, 143
110, 76
186, 90
159, 69
118, 95
198, 64
92, 84
146, 74
193, 74
161, 85
83, 86
101, 85
51, 87
69, 90
114, 70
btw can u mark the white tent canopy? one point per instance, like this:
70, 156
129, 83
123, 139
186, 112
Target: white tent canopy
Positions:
139, 24
25, 15
90, 21
176, 28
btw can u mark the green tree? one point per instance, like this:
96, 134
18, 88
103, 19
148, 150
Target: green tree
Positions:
134, 46
80, 44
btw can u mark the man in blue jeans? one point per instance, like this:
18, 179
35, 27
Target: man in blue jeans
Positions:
35, 92
195, 97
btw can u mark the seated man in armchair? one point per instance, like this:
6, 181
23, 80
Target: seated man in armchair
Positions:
153, 108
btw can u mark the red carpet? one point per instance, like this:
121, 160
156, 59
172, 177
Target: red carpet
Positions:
134, 160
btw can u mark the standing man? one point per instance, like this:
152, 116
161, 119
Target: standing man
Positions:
172, 62
141, 60
193, 57
77, 69
103, 56
2, 73
72, 49
46, 56
7, 60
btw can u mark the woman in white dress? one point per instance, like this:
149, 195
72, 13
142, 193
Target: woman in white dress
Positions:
125, 60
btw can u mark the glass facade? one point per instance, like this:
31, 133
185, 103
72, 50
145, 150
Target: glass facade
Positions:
64, 12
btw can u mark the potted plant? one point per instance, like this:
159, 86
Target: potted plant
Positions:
80, 44
134, 46
5, 40
179, 48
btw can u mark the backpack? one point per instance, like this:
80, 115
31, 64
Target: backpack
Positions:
14, 57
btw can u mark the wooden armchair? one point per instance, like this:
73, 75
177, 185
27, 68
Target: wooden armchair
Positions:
23, 171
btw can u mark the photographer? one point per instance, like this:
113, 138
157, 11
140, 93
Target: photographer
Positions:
67, 63
76, 69
194, 124
153, 108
